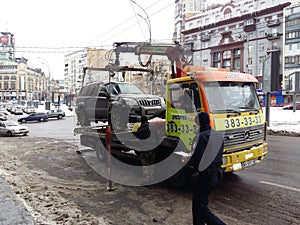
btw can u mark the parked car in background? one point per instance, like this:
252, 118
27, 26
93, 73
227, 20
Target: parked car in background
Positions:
12, 128
56, 113
29, 109
17, 111
4, 111
3, 116
290, 106
40, 117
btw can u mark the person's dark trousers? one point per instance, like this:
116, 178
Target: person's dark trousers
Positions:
206, 182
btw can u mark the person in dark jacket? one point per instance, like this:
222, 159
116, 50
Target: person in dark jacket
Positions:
207, 160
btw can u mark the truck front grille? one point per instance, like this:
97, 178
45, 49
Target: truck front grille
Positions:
239, 139
149, 102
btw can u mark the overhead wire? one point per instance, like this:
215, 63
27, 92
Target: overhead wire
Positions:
120, 24
71, 48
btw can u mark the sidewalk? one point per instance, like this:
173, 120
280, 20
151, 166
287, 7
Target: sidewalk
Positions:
12, 210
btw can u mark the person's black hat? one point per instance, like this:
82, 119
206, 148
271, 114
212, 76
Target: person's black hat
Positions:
202, 119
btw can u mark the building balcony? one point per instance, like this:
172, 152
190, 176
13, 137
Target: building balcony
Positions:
273, 23
292, 65
250, 27
272, 36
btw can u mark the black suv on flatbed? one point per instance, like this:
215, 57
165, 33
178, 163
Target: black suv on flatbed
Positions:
119, 103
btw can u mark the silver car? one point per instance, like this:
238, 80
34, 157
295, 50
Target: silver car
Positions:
12, 128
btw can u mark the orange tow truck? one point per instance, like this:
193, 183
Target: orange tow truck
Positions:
229, 98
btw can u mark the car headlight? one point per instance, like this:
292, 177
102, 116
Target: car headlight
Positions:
130, 101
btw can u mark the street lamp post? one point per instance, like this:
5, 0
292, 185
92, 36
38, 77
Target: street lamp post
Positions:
47, 105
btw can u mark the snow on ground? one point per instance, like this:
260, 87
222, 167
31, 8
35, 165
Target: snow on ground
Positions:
284, 120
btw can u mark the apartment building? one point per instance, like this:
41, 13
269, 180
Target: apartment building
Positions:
18, 79
291, 49
74, 65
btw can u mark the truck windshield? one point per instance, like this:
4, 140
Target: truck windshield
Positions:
231, 97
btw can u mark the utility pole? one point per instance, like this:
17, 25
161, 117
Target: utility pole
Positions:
48, 102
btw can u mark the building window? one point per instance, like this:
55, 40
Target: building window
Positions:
226, 63
262, 33
236, 64
250, 49
261, 47
0, 77
274, 45
5, 85
249, 22
14, 78
217, 59
217, 64
227, 13
237, 52
217, 56
13, 85
250, 61
227, 54
261, 59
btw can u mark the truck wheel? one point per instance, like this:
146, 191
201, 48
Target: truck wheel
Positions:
100, 151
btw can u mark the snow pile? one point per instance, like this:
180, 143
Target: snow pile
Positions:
284, 120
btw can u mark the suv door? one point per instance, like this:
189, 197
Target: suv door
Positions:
102, 104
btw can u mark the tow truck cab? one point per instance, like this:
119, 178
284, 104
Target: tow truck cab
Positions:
231, 101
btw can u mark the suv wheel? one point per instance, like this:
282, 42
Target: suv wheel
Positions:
82, 118
9, 134
116, 121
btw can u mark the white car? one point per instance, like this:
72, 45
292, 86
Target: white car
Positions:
12, 128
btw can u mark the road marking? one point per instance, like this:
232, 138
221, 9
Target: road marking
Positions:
279, 185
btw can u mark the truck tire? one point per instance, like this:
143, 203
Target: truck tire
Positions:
101, 151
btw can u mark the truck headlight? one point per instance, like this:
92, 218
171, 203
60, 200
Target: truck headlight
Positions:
224, 160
